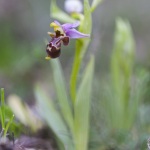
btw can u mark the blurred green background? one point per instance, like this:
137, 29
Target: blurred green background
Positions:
23, 32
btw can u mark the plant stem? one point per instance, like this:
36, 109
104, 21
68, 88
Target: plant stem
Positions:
8, 124
74, 75
2, 109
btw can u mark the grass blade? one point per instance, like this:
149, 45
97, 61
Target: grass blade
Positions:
62, 93
8, 125
82, 108
121, 72
2, 121
2, 109
95, 3
52, 117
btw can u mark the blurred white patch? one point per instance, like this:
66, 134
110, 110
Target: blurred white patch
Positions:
148, 143
24, 113
73, 6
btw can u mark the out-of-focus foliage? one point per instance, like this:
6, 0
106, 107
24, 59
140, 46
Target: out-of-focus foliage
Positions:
56, 12
6, 118
19, 51
95, 4
120, 100
26, 115
70, 130
121, 104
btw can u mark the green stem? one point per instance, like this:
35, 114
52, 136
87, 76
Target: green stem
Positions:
8, 124
78, 16
1, 115
2, 108
2, 133
81, 46
74, 75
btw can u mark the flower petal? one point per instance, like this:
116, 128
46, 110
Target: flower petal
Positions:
67, 26
65, 40
55, 21
57, 26
74, 34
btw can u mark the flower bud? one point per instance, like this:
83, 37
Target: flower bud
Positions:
73, 6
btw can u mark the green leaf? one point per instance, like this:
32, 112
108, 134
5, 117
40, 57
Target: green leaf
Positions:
121, 70
81, 47
8, 125
86, 26
95, 3
57, 13
123, 58
51, 115
2, 109
62, 92
82, 108
2, 121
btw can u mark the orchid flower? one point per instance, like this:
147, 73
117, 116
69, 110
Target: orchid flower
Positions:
63, 34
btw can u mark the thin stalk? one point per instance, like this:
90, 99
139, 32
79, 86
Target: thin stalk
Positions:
8, 124
2, 108
2, 133
74, 76
81, 47
2, 121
